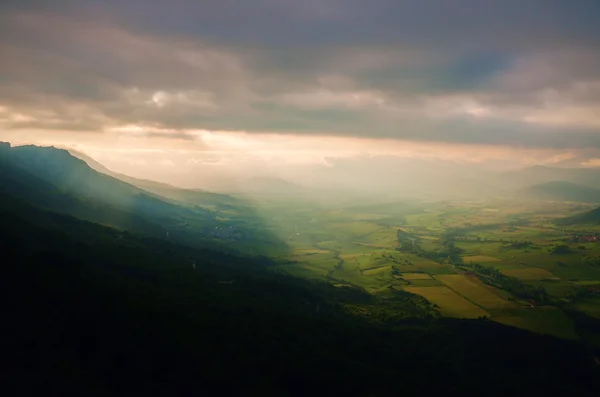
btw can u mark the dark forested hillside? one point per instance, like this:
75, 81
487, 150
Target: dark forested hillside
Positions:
53, 179
591, 217
94, 311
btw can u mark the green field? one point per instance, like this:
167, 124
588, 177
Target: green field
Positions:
530, 273
474, 291
480, 258
549, 320
361, 247
416, 276
590, 306
426, 283
450, 303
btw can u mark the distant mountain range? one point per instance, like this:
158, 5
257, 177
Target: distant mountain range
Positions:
364, 179
522, 178
390, 178
561, 191
77, 185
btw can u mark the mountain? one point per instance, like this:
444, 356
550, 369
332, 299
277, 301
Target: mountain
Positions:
591, 217
391, 177
522, 178
342, 181
89, 310
92, 163
18, 182
53, 179
561, 191
197, 197
56, 170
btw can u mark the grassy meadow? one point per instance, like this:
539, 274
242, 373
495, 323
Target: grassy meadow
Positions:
426, 248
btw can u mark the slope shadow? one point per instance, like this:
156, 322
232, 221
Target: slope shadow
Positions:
55, 180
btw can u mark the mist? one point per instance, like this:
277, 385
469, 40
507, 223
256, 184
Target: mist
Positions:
336, 176
301, 197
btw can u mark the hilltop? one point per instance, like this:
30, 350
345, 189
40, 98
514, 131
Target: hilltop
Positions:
55, 180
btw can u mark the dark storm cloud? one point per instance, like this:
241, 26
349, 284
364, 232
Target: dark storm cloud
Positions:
522, 73
436, 23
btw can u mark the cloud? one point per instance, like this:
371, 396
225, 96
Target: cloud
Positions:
519, 73
157, 133
592, 163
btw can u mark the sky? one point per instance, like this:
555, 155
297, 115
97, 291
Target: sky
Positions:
148, 86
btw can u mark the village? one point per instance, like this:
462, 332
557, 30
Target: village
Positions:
584, 238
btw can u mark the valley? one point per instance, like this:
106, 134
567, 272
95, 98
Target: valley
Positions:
531, 263
433, 249
108, 273
300, 198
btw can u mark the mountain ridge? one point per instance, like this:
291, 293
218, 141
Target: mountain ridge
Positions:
521, 178
54, 179
561, 191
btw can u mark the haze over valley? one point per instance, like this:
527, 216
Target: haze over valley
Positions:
354, 197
